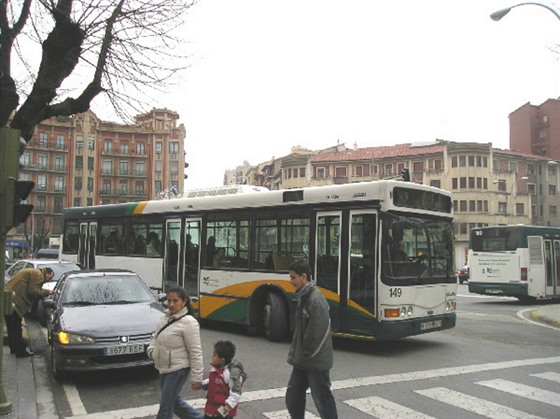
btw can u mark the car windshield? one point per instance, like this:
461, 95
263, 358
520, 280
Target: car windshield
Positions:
60, 268
114, 289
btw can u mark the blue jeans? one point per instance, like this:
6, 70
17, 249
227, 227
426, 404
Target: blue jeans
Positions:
320, 384
171, 385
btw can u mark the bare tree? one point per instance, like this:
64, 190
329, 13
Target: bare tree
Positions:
117, 47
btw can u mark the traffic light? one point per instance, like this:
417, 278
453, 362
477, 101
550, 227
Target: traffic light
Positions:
405, 174
12, 190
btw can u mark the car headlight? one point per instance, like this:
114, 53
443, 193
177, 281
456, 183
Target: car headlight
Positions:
70, 338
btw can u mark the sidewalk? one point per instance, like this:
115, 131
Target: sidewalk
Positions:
548, 314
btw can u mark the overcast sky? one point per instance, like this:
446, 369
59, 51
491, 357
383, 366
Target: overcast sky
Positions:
266, 75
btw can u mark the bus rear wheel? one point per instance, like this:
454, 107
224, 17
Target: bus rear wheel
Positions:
275, 318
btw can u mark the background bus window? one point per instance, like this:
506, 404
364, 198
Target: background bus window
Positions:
363, 233
328, 251
111, 239
71, 239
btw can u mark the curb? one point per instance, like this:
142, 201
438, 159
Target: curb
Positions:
537, 315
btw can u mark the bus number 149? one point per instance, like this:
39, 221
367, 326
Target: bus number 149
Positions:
395, 292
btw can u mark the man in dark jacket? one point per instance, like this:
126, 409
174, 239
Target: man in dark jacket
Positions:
311, 352
27, 286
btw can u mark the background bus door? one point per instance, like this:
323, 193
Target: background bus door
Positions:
88, 241
552, 266
172, 248
191, 260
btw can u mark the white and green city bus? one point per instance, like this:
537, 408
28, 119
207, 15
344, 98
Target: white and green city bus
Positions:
517, 261
232, 253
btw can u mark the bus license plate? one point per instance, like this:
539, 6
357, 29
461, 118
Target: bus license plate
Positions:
430, 325
123, 350
493, 291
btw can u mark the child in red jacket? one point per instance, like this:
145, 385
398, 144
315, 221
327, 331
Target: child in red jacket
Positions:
224, 382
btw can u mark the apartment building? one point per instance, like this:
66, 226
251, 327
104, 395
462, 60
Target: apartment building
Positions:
83, 160
490, 186
536, 129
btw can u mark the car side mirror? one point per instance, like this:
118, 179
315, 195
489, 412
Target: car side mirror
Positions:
48, 302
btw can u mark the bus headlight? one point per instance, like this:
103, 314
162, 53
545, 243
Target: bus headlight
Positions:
409, 311
403, 311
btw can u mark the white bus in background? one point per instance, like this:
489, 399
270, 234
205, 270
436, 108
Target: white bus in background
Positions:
517, 261
381, 252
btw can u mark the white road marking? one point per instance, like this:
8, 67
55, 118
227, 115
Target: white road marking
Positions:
473, 404
522, 390
283, 414
550, 376
386, 409
496, 297
74, 400
279, 392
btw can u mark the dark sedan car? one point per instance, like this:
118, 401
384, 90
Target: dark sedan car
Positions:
100, 320
463, 274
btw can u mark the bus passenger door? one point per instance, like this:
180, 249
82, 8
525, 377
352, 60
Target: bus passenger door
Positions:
191, 261
88, 241
552, 266
327, 261
171, 276
362, 271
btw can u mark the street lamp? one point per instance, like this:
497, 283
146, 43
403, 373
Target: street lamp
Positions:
497, 15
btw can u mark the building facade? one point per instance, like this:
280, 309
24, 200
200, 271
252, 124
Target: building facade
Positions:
82, 160
536, 129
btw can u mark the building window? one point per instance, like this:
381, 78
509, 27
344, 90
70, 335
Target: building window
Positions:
139, 188
513, 166
462, 161
174, 147
479, 206
454, 183
374, 169
123, 187
358, 170
58, 204
302, 172
552, 211
551, 170
59, 184
107, 167
140, 148
90, 163
519, 209
123, 167
89, 202
42, 160
502, 185
463, 206
388, 169
59, 163
530, 169
79, 144
463, 183
471, 182
502, 207
158, 166
417, 167
108, 146
472, 206
79, 162
77, 183
106, 188
340, 171
471, 161
42, 182
174, 168
159, 147
60, 141
479, 183
43, 139
455, 206
41, 203
485, 206
77, 202
124, 147
158, 186
552, 189
90, 185
140, 168
463, 228
436, 183
454, 161
91, 144
320, 172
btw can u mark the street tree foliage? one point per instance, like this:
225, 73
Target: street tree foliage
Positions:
58, 55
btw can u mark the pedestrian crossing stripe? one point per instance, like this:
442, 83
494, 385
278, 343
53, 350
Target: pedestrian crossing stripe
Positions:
522, 390
283, 414
550, 376
469, 403
383, 408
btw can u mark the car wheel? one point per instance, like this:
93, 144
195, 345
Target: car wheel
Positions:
57, 374
275, 318
41, 313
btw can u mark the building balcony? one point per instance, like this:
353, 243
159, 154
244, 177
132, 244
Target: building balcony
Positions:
51, 189
46, 145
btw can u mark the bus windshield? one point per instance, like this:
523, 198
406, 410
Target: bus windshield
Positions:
416, 250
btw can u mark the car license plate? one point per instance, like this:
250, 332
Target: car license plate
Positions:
123, 350
430, 325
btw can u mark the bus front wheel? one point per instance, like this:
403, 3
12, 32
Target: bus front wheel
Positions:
275, 318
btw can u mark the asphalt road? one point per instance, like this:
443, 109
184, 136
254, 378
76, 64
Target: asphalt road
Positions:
495, 363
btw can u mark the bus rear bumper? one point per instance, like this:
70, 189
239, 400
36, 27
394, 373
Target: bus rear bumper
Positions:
510, 290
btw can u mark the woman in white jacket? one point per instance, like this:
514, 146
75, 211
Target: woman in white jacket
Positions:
176, 351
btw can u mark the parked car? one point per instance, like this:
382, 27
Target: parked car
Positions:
99, 320
47, 253
463, 274
58, 266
